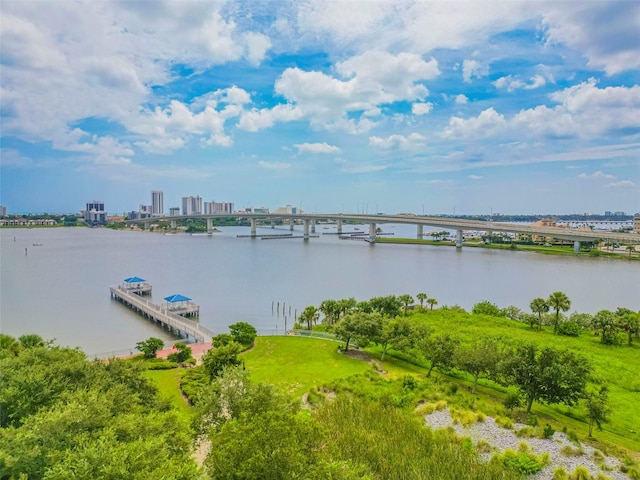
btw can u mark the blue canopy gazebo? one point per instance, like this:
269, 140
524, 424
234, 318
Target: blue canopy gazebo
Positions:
136, 285
181, 304
134, 280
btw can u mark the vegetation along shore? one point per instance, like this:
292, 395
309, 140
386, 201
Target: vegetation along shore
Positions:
391, 387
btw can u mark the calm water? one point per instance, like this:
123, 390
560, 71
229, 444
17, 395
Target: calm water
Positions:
60, 289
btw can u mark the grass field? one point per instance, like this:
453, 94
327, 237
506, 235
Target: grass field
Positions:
168, 384
616, 366
299, 363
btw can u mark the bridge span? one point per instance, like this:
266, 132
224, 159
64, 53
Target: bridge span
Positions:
309, 221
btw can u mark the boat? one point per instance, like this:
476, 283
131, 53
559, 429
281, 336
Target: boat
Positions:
38, 244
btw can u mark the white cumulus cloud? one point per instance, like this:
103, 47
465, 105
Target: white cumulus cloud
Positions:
397, 141
316, 148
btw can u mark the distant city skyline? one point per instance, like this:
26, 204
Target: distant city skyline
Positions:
390, 106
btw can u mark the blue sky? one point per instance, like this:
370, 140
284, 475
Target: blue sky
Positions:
435, 107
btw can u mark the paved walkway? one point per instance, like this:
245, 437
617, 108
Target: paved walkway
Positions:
197, 350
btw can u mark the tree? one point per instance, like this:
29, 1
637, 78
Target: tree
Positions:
440, 351
432, 302
605, 322
331, 311
309, 315
399, 333
548, 375
481, 359
539, 306
216, 359
405, 300
629, 322
150, 346
359, 326
389, 306
31, 341
421, 298
597, 409
243, 333
182, 353
222, 339
345, 306
558, 301
486, 308
9, 346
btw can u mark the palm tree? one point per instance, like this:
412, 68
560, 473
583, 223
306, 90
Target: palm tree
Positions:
406, 300
310, 315
421, 297
432, 302
631, 249
558, 301
539, 306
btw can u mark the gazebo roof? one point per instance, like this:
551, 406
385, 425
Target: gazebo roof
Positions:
176, 298
134, 280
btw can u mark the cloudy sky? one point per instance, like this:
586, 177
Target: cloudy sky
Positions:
402, 106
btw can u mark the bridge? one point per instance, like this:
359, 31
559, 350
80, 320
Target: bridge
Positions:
309, 221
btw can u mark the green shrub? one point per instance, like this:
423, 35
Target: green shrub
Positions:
548, 431
522, 461
560, 474
570, 328
526, 432
569, 451
504, 422
581, 473
483, 447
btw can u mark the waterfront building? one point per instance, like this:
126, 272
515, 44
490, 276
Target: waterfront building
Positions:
212, 207
174, 211
157, 203
636, 223
288, 209
192, 205
3, 211
95, 213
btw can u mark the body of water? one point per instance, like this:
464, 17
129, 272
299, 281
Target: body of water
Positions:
60, 289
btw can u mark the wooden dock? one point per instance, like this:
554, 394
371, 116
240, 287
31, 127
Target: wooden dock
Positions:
163, 316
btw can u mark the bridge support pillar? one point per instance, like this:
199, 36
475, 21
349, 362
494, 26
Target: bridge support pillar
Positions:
372, 233
306, 230
576, 246
458, 238
420, 232
313, 226
488, 234
174, 224
339, 227
292, 222
210, 226
253, 227
147, 225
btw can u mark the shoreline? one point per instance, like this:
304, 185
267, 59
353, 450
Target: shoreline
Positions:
558, 251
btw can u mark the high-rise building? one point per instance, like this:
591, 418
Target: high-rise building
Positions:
192, 205
95, 213
217, 207
157, 203
3, 211
174, 211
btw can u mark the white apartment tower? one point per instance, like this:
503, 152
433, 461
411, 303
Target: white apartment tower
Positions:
157, 203
192, 205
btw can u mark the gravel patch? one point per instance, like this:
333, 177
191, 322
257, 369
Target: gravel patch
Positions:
502, 438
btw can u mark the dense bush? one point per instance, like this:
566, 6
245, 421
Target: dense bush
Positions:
570, 328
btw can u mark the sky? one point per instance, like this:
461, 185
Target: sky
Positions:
331, 106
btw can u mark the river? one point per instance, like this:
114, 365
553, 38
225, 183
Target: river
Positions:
59, 289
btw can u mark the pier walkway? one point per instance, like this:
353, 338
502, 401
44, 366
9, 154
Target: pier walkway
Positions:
161, 315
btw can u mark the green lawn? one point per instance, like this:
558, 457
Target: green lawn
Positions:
299, 363
168, 383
